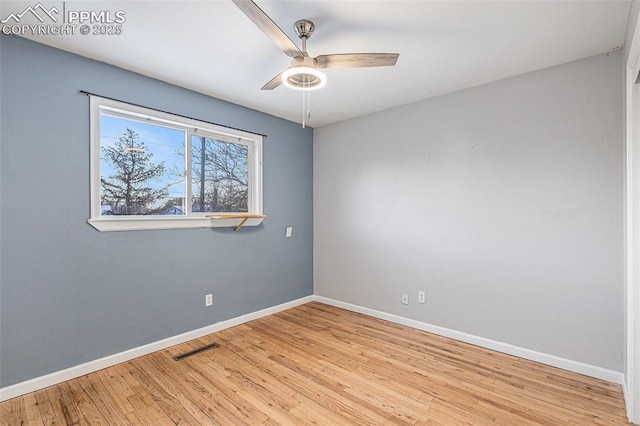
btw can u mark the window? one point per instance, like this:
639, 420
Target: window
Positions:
153, 170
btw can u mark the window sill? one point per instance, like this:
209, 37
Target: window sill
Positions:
108, 224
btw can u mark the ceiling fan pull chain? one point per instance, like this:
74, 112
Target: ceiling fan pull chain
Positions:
306, 103
303, 108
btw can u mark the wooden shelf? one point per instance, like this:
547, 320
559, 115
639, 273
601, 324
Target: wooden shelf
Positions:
243, 216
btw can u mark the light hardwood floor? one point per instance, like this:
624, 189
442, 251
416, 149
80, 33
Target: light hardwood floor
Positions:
316, 364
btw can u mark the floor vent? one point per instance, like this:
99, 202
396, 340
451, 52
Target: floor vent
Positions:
195, 351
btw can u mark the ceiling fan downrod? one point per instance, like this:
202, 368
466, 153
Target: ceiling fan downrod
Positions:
304, 28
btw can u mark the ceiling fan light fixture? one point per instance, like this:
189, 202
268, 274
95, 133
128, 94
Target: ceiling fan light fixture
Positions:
304, 78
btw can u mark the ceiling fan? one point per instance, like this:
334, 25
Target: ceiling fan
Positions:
304, 72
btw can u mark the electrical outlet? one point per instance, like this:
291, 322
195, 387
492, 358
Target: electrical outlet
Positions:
288, 231
208, 300
405, 299
422, 297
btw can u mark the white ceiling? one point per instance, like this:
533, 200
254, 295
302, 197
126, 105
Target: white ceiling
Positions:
211, 47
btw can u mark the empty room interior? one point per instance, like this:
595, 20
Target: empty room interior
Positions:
320, 212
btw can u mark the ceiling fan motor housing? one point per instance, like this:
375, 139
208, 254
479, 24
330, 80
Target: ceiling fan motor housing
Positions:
303, 74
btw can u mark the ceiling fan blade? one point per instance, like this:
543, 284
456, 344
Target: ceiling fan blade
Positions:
275, 82
357, 60
267, 26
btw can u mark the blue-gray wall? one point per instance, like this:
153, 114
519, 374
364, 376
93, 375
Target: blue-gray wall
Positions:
70, 294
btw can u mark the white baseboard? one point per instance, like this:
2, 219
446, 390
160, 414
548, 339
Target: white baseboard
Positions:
552, 360
108, 361
628, 403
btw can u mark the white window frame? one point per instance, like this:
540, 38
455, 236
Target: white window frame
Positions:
191, 219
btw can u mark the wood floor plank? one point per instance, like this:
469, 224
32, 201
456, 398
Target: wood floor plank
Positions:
196, 393
47, 413
317, 364
329, 398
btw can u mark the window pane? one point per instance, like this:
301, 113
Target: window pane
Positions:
220, 176
141, 168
